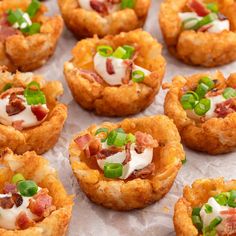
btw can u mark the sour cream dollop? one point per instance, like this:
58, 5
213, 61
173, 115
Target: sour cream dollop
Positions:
137, 162
27, 116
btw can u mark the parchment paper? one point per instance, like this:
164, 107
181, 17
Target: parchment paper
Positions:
156, 220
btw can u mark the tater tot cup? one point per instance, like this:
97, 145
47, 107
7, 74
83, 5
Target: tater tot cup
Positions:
37, 169
121, 100
195, 196
44, 136
134, 193
198, 48
27, 53
214, 136
84, 23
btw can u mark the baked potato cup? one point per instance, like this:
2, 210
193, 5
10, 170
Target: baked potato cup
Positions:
213, 136
195, 196
29, 52
84, 23
42, 137
198, 48
131, 193
122, 100
37, 169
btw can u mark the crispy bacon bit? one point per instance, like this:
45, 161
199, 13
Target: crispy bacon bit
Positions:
15, 105
225, 108
91, 76
9, 188
23, 221
127, 153
83, 141
229, 224
17, 91
18, 124
104, 153
41, 204
198, 7
129, 64
204, 28
143, 141
221, 16
145, 172
39, 111
99, 7
230, 211
214, 92
17, 199
109, 67
6, 203
114, 1
94, 147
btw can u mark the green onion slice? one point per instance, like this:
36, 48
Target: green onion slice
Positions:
105, 50
184, 160
120, 139
15, 17
197, 221
213, 7
102, 130
129, 51
33, 94
34, 28
208, 208
222, 198
17, 178
130, 138
27, 188
232, 198
6, 87
120, 130
208, 82
190, 23
127, 4
189, 100
138, 76
201, 90
33, 8
202, 107
216, 221
229, 93
205, 20
113, 170
120, 52
111, 137
196, 211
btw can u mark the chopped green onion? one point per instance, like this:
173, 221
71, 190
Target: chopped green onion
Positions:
216, 221
229, 93
205, 20
120, 139
184, 160
102, 130
120, 52
113, 170
6, 87
213, 7
33, 94
197, 221
208, 208
34, 28
130, 138
105, 50
138, 76
196, 211
232, 199
202, 107
210, 233
222, 198
33, 8
189, 100
127, 4
27, 188
208, 82
15, 17
129, 51
17, 178
201, 90
190, 23
111, 137
120, 130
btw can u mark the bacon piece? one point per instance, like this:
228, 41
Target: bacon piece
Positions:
143, 141
17, 199
6, 203
94, 147
23, 221
106, 152
109, 66
114, 1
39, 111
83, 141
214, 92
229, 224
41, 204
145, 172
198, 7
99, 7
91, 76
204, 28
18, 124
127, 154
129, 64
17, 91
225, 108
9, 188
15, 105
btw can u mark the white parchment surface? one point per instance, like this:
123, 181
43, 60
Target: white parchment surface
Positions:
156, 220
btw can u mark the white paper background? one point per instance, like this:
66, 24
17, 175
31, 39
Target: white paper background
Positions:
156, 220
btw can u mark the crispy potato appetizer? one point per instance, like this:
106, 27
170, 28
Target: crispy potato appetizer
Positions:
143, 186
85, 21
51, 193
29, 50
209, 124
203, 43
213, 194
92, 90
44, 132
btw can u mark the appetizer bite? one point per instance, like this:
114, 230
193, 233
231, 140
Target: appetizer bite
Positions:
207, 208
30, 116
117, 75
27, 37
200, 32
203, 107
86, 18
32, 199
127, 165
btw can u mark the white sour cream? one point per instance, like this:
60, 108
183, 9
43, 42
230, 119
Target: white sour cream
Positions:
119, 67
137, 162
26, 115
8, 216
